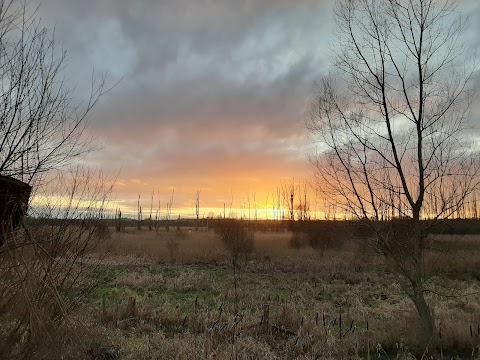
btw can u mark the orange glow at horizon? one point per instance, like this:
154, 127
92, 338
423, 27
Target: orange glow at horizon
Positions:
264, 202
255, 199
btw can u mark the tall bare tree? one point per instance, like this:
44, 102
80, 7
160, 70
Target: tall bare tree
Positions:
391, 122
41, 127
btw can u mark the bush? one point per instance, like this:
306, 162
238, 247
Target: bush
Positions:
236, 237
326, 240
298, 240
320, 235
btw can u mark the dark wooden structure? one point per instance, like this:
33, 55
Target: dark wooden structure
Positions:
14, 196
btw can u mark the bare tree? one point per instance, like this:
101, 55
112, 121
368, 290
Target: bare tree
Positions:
288, 191
151, 211
392, 128
197, 210
255, 208
168, 211
41, 128
158, 214
266, 205
278, 205
303, 206
139, 214
238, 240
45, 269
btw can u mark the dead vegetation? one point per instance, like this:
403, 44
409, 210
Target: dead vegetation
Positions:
45, 272
287, 303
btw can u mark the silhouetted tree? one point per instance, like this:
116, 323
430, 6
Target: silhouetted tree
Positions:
391, 121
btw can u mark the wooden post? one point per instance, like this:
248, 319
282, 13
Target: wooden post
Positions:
266, 318
104, 305
131, 310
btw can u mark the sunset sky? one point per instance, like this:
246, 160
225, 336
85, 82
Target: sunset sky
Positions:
211, 93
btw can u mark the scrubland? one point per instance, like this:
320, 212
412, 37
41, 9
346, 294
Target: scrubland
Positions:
172, 295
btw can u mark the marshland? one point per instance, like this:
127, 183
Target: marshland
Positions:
281, 294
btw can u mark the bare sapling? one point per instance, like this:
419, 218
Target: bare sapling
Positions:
150, 220
158, 214
197, 210
168, 211
139, 214
238, 240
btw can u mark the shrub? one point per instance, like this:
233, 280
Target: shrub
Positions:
236, 237
47, 266
298, 240
320, 235
328, 240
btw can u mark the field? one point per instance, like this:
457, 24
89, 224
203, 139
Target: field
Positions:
174, 295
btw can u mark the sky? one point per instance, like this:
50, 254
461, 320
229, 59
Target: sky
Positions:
210, 94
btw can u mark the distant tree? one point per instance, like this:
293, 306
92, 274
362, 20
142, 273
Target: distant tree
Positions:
151, 211
157, 214
197, 210
391, 122
303, 206
168, 211
288, 191
139, 214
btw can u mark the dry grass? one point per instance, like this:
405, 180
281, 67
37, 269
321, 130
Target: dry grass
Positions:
154, 246
206, 247
184, 307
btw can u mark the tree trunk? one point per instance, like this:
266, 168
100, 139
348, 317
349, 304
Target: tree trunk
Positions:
427, 321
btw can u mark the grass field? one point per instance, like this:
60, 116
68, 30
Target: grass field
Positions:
172, 296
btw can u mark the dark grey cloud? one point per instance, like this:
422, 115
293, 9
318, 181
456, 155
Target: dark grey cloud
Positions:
184, 60
233, 73
210, 87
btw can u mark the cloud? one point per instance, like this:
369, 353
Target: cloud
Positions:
213, 91
221, 75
